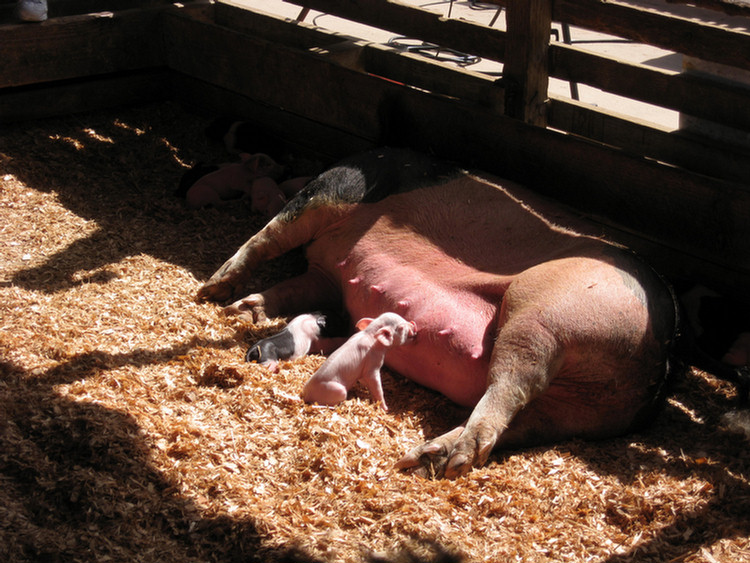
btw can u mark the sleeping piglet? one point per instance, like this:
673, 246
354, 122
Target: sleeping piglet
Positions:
360, 358
234, 180
293, 342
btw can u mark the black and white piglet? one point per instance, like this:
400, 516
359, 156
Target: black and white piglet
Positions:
297, 339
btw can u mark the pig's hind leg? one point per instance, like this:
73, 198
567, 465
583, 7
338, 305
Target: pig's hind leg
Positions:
580, 352
524, 360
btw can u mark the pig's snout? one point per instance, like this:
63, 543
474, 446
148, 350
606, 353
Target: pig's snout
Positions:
253, 354
412, 332
408, 332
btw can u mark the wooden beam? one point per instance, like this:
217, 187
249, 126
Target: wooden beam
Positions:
525, 75
468, 37
470, 87
80, 46
691, 152
382, 60
703, 40
52, 99
696, 95
730, 7
434, 77
301, 35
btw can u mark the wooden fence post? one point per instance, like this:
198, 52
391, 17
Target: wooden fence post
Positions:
526, 72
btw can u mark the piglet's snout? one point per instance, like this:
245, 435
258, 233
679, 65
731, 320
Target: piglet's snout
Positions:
412, 331
409, 332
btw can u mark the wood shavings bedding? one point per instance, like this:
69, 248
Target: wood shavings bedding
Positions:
132, 429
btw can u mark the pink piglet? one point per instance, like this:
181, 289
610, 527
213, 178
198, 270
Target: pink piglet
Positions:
360, 358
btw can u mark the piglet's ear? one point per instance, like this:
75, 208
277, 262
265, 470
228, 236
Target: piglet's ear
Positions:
384, 336
362, 324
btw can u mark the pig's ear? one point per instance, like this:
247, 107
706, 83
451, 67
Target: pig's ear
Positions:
384, 336
362, 324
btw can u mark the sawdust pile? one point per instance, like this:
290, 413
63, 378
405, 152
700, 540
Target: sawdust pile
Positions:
132, 431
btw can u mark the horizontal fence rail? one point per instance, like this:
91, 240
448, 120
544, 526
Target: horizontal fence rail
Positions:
692, 94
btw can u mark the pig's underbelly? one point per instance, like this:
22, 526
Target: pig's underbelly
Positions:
453, 314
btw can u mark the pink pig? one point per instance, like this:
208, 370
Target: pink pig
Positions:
266, 196
360, 358
235, 180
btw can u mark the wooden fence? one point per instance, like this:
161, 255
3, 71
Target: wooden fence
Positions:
680, 198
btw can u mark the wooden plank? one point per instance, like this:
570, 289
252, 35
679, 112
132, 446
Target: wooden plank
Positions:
302, 136
434, 77
275, 74
77, 46
695, 95
703, 40
254, 22
63, 8
729, 7
525, 72
636, 137
468, 37
388, 62
81, 95
684, 93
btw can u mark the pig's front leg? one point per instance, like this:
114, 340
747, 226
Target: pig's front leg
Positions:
239, 268
290, 229
523, 362
310, 291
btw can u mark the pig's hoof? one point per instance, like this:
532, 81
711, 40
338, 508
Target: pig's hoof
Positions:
250, 308
431, 459
471, 449
215, 290
221, 285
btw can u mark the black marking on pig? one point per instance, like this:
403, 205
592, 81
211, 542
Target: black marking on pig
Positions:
277, 347
245, 136
368, 178
281, 346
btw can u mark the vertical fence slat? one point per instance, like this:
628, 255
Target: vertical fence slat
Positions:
526, 72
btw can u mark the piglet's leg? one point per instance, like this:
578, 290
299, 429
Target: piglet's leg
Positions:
329, 393
372, 379
311, 291
524, 360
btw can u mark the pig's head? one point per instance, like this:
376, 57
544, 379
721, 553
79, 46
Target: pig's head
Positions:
389, 329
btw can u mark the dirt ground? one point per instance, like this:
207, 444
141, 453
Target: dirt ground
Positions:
131, 430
